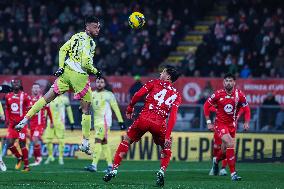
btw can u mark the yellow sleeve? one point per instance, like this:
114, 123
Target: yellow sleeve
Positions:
63, 52
1, 109
114, 106
69, 111
87, 59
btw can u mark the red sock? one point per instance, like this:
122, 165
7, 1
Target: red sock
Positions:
220, 155
165, 158
15, 152
216, 150
230, 154
25, 156
37, 151
224, 163
120, 153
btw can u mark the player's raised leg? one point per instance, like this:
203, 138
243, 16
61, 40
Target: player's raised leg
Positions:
42, 102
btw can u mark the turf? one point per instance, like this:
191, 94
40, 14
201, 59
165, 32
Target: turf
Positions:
138, 174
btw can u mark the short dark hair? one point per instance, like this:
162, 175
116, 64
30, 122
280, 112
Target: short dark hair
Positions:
173, 72
230, 75
91, 19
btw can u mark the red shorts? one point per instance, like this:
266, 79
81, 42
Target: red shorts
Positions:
14, 134
37, 131
220, 130
142, 125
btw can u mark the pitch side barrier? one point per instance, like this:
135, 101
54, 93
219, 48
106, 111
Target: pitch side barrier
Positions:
187, 146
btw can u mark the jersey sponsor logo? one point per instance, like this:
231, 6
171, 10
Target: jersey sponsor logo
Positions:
228, 108
14, 107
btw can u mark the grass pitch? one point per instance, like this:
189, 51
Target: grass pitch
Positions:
141, 174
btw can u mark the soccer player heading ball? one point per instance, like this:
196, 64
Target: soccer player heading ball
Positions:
228, 102
162, 98
75, 65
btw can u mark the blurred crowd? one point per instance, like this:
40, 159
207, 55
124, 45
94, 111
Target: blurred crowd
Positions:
32, 31
249, 42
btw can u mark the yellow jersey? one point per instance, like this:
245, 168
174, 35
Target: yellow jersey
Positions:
102, 103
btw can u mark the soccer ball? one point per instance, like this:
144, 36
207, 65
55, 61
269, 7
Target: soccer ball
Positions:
136, 20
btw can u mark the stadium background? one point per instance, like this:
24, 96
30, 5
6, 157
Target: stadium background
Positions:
204, 39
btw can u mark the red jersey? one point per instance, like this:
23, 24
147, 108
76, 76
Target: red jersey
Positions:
17, 106
40, 118
161, 99
227, 106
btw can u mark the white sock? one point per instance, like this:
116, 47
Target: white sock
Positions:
85, 142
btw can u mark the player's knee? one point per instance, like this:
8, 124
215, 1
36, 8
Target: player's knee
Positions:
229, 143
166, 153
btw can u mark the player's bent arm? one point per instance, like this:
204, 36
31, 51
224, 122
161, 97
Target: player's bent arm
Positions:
70, 114
172, 121
137, 96
63, 52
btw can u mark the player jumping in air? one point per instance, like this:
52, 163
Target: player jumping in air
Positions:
102, 102
57, 108
162, 98
228, 102
17, 104
75, 65
38, 124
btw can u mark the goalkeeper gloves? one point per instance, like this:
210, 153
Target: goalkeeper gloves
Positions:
122, 126
59, 72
